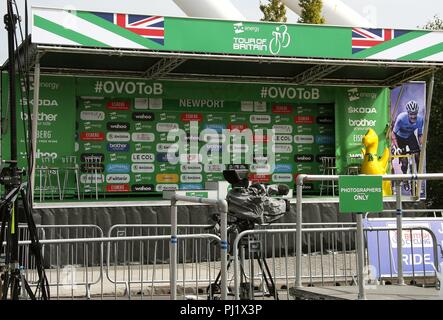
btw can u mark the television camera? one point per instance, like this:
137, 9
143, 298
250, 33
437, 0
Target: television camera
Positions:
249, 205
255, 203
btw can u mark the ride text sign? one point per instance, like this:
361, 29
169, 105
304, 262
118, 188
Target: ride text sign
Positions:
360, 194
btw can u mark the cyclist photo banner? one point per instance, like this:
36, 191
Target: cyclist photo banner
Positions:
408, 111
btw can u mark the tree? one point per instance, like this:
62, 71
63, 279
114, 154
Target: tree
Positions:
273, 11
311, 12
434, 145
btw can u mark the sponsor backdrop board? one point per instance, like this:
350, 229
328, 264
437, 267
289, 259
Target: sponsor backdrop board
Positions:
126, 123
133, 141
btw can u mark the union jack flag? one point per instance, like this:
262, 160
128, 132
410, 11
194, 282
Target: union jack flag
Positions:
150, 27
367, 38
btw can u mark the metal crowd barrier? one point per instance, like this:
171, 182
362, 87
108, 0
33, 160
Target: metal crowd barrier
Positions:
329, 258
71, 278
398, 178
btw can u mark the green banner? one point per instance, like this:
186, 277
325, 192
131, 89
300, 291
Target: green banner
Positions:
191, 95
360, 194
357, 110
115, 30
56, 128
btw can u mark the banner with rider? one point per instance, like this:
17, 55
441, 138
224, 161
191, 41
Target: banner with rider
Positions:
408, 110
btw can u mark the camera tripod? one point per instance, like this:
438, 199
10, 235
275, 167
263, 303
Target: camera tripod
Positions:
11, 177
246, 288
12, 276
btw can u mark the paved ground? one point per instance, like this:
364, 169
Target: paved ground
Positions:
135, 281
390, 292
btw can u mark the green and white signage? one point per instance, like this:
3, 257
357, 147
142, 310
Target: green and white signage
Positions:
360, 194
116, 30
358, 110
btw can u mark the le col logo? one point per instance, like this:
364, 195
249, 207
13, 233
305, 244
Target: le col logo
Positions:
142, 157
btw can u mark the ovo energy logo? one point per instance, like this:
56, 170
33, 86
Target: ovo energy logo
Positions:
353, 94
239, 28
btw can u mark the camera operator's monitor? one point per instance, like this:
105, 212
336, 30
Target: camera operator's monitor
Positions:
235, 179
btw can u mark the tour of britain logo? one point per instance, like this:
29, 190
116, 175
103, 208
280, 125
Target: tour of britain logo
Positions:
242, 40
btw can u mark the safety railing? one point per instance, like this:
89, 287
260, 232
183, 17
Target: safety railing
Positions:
71, 280
329, 257
399, 178
194, 271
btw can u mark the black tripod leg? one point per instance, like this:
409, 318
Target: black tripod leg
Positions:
216, 285
5, 285
5, 279
35, 248
267, 273
28, 288
6, 211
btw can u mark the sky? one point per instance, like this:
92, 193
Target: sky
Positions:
399, 14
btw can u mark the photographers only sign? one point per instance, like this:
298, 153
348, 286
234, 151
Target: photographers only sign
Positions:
360, 194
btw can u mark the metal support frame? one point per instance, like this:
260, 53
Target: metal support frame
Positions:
235, 57
360, 247
407, 75
421, 165
168, 61
162, 67
35, 124
315, 73
399, 219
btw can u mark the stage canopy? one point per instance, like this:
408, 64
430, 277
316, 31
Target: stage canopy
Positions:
156, 47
